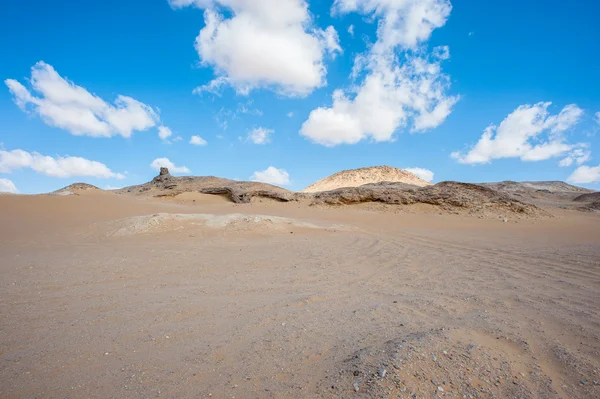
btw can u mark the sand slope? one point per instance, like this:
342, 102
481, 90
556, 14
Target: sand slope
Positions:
260, 305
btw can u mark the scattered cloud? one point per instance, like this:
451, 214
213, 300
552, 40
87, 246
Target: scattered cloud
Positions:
70, 107
290, 114
54, 167
225, 114
254, 44
247, 109
164, 132
529, 133
400, 84
578, 155
585, 174
471, 33
351, 30
215, 87
7, 186
260, 135
424, 174
272, 175
165, 163
109, 187
597, 117
197, 140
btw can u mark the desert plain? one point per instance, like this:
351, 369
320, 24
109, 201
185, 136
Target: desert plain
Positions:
191, 295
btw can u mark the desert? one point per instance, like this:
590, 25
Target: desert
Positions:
299, 199
163, 290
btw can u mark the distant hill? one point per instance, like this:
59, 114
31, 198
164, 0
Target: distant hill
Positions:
74, 188
362, 176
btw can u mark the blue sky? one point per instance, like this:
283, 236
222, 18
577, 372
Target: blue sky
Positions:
469, 90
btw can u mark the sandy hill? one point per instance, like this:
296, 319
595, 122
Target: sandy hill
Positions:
75, 189
362, 176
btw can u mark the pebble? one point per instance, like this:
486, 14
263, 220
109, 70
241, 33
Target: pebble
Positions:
382, 373
440, 389
434, 358
355, 385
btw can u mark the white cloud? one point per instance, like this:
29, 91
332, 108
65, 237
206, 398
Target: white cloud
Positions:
272, 175
7, 186
402, 85
65, 105
424, 174
528, 133
197, 140
109, 187
262, 43
164, 132
290, 114
165, 163
215, 87
55, 167
401, 22
578, 155
597, 117
585, 174
260, 135
351, 30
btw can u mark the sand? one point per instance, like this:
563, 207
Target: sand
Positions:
289, 301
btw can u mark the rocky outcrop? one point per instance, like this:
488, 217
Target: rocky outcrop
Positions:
446, 195
166, 185
589, 197
240, 194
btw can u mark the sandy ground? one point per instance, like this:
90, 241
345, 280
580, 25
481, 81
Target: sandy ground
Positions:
112, 297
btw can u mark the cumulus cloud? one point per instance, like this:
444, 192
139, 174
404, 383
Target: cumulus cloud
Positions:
165, 163
597, 117
272, 175
424, 174
54, 167
529, 133
65, 105
164, 132
585, 174
7, 186
400, 84
197, 140
262, 43
260, 135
